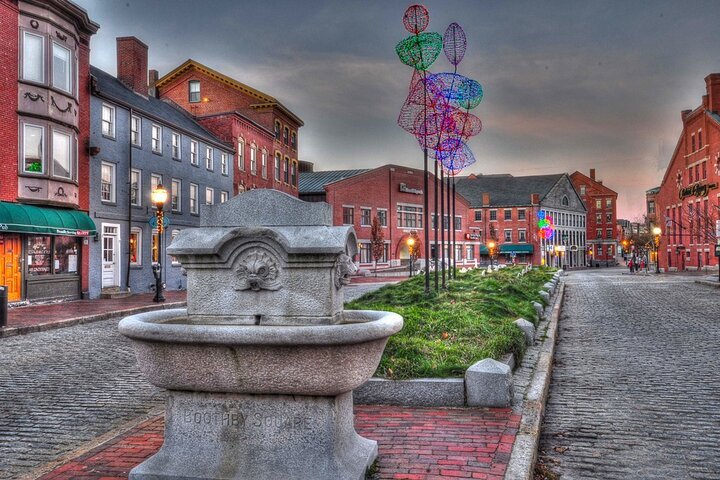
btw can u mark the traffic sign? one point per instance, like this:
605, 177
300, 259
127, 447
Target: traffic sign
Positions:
153, 222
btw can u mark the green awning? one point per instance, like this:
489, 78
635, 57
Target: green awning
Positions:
484, 250
516, 248
18, 217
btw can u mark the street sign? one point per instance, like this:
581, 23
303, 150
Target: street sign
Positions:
153, 221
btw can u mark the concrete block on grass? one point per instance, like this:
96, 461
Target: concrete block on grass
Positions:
545, 296
539, 310
528, 330
488, 383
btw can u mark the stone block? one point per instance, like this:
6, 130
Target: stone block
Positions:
549, 287
539, 310
528, 330
421, 392
488, 383
545, 296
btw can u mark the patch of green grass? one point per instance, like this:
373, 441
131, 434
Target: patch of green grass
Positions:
446, 332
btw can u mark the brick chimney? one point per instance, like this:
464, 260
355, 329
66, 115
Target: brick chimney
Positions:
534, 199
592, 174
486, 199
712, 83
132, 64
154, 75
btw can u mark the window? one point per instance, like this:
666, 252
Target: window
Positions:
209, 158
223, 196
108, 121
49, 255
287, 170
508, 235
61, 68
522, 236
293, 140
175, 140
508, 214
241, 154
609, 234
175, 195
33, 143
135, 126
293, 174
690, 175
193, 152
598, 218
493, 215
33, 57
692, 141
598, 233
697, 172
469, 252
107, 182
582, 189
521, 214
135, 246
608, 217
194, 198
478, 215
651, 207
278, 161
62, 155
209, 196
156, 138
155, 180
565, 201
263, 162
223, 163
194, 91
700, 144
608, 203
286, 139
365, 252
365, 217
458, 223
598, 203
409, 216
348, 214
382, 217
154, 245
277, 129
173, 260
253, 159
135, 187
704, 170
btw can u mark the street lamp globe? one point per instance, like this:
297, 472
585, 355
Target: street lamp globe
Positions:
159, 195
657, 231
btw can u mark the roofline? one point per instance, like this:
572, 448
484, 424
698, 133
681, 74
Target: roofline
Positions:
81, 16
594, 181
266, 99
212, 139
247, 119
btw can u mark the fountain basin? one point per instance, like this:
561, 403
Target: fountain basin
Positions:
176, 353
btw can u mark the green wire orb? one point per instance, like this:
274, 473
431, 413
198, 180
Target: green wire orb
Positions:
420, 51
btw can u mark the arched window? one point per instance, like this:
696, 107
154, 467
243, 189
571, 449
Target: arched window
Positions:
565, 201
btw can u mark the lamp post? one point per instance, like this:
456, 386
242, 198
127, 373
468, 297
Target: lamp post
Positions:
159, 197
491, 251
656, 234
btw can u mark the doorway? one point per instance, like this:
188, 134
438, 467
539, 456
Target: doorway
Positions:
10, 266
110, 256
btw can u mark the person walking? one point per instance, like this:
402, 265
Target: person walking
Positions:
630, 265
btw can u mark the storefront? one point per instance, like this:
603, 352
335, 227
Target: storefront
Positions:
41, 251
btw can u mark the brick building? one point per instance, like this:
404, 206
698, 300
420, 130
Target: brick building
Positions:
263, 131
601, 204
394, 194
137, 142
505, 208
44, 124
688, 203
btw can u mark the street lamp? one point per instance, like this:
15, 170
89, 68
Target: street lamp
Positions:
411, 250
656, 233
159, 197
491, 251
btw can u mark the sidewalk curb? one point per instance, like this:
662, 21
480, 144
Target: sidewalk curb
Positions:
709, 283
524, 452
41, 327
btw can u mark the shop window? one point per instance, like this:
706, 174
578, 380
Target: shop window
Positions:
135, 246
33, 144
48, 255
365, 217
154, 245
39, 253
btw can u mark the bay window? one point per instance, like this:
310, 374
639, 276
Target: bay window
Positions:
62, 155
33, 57
33, 149
61, 68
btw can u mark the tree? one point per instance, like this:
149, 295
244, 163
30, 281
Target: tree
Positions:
377, 241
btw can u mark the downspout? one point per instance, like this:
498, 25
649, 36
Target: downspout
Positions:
129, 228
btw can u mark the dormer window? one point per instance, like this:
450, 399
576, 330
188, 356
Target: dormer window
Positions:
194, 91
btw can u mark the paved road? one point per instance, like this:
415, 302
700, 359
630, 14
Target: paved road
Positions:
62, 388
636, 386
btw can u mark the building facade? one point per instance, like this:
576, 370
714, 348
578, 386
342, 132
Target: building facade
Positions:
688, 203
138, 142
507, 209
601, 232
44, 123
263, 131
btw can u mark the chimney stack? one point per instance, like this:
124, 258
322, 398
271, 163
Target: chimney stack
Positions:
592, 174
712, 83
152, 91
534, 199
132, 64
486, 199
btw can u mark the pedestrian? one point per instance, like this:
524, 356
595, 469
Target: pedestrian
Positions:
642, 264
630, 265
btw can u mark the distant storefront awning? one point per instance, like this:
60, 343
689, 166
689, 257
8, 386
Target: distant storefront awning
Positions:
484, 250
516, 248
17, 217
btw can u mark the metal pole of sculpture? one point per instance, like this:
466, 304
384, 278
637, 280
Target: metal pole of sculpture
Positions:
437, 221
442, 224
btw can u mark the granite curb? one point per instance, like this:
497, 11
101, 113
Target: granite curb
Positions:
709, 283
524, 452
69, 322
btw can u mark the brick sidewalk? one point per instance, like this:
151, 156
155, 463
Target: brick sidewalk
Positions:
414, 444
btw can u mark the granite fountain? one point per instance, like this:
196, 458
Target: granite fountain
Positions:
259, 368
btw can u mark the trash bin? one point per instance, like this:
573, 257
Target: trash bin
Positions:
3, 305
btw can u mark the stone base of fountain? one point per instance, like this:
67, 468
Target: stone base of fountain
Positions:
259, 437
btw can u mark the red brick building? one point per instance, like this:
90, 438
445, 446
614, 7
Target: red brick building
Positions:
44, 124
601, 204
263, 130
688, 203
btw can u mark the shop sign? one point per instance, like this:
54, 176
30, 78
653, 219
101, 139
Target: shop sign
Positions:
717, 250
404, 188
74, 233
472, 236
561, 248
696, 190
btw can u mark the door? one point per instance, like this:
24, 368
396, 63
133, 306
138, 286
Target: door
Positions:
10, 274
110, 256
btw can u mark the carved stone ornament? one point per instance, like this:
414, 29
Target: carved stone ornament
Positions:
34, 97
256, 270
344, 267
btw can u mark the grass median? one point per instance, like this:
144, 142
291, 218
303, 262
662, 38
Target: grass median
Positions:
445, 333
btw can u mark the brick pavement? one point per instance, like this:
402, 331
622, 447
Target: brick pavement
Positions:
635, 389
414, 444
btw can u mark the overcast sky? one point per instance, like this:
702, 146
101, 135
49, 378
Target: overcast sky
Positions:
569, 85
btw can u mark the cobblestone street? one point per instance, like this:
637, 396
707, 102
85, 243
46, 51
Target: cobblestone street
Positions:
635, 391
